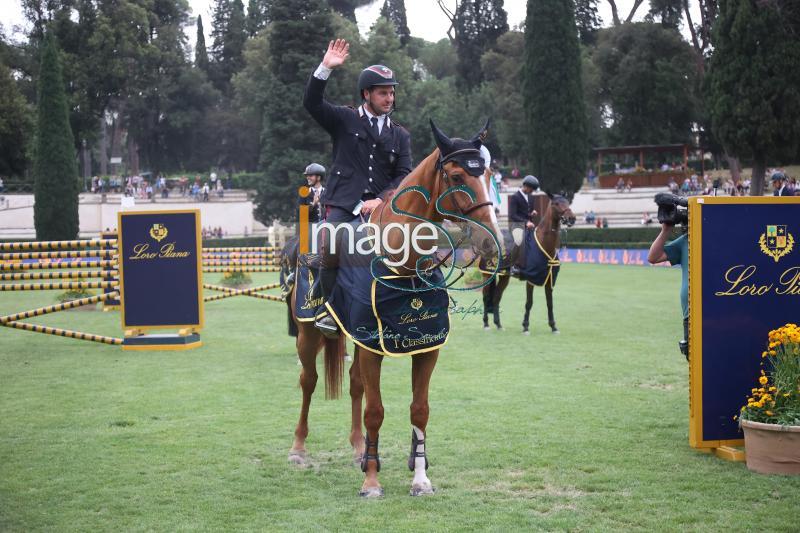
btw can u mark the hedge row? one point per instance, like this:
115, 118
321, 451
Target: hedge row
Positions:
235, 242
610, 237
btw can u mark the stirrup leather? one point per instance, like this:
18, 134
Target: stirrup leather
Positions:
414, 453
367, 456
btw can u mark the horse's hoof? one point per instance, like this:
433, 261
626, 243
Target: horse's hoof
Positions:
297, 458
526, 332
556, 332
422, 490
486, 328
371, 492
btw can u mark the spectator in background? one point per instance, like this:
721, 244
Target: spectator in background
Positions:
205, 191
780, 184
220, 190
620, 184
2, 185
591, 177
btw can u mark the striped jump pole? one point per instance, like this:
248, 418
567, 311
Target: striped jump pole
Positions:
57, 307
241, 291
102, 254
56, 245
241, 269
244, 249
254, 295
243, 262
62, 332
70, 274
60, 264
69, 285
238, 255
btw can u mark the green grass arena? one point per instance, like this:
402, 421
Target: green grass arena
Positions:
586, 430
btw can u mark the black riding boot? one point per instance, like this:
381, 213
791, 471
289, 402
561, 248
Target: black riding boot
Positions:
323, 320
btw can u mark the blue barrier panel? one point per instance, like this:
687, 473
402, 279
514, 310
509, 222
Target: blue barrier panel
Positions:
160, 266
744, 281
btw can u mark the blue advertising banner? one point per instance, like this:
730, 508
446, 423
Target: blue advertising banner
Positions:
744, 282
160, 260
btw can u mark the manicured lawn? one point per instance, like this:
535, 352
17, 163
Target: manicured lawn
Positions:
586, 430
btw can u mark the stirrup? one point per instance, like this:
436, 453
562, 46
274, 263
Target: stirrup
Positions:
367, 456
327, 327
414, 453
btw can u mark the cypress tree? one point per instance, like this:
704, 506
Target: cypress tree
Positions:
257, 16
587, 20
200, 52
395, 11
753, 85
290, 139
227, 48
55, 169
553, 96
478, 24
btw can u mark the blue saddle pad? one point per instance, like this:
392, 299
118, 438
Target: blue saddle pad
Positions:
539, 267
390, 314
505, 261
308, 295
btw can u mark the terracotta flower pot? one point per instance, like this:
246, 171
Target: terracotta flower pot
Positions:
772, 448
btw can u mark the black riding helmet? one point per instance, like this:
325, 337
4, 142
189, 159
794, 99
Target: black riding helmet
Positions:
375, 75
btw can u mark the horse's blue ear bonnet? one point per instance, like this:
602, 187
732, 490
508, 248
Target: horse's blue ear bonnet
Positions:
466, 154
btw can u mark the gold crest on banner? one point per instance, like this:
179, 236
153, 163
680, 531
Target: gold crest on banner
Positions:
776, 242
416, 303
158, 231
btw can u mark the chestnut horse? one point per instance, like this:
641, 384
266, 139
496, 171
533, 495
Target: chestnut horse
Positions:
453, 191
548, 235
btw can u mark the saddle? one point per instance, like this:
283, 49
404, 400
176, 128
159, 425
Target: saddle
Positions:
538, 267
388, 313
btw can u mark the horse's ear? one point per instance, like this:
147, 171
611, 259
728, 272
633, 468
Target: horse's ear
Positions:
549, 194
442, 141
479, 137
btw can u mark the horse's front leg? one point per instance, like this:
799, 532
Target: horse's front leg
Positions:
502, 283
422, 366
548, 294
528, 303
309, 342
370, 365
356, 396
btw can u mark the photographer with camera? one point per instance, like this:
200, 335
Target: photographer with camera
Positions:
672, 211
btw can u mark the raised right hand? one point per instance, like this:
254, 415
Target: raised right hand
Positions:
337, 54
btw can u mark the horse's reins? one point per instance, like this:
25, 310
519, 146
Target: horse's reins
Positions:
462, 212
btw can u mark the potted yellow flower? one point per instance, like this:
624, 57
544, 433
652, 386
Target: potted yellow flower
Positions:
771, 418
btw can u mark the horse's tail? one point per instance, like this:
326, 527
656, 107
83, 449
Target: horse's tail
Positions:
334, 367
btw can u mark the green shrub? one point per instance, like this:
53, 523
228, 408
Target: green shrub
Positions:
76, 294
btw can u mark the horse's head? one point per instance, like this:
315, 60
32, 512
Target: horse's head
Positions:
560, 211
463, 171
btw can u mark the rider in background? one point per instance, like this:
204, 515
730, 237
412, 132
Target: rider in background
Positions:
520, 218
314, 174
371, 153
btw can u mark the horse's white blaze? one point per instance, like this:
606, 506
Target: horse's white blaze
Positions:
420, 477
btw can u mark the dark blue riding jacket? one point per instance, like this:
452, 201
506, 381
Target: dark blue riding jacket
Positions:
364, 166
